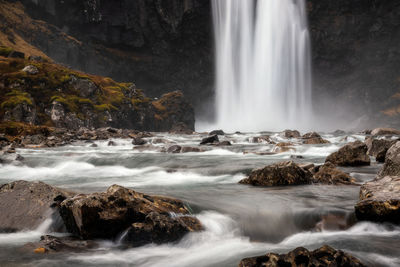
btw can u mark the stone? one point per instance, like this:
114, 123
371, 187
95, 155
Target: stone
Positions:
311, 135
329, 174
174, 149
385, 131
279, 174
85, 87
107, 215
224, 143
261, 139
31, 204
217, 132
53, 244
30, 69
380, 200
111, 143
290, 134
315, 141
378, 147
284, 147
161, 141
188, 149
324, 256
210, 140
137, 141
392, 162
352, 154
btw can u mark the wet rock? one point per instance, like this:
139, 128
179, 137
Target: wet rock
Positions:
290, 134
210, 140
380, 200
311, 135
334, 222
385, 131
339, 132
174, 149
30, 69
52, 244
284, 147
261, 139
378, 147
324, 256
352, 154
107, 215
329, 174
279, 174
160, 228
111, 143
161, 141
392, 162
315, 141
217, 132
137, 141
93, 145
30, 202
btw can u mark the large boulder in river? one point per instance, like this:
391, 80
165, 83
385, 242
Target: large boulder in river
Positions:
25, 205
380, 200
392, 162
313, 138
290, 134
217, 132
378, 148
329, 174
283, 173
385, 131
352, 154
324, 256
213, 139
106, 215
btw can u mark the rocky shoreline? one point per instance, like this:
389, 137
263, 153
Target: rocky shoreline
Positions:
136, 219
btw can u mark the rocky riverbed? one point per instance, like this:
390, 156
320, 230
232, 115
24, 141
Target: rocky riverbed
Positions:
111, 197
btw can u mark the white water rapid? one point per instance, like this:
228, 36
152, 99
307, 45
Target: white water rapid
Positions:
263, 65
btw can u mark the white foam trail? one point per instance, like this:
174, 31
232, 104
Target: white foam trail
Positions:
23, 237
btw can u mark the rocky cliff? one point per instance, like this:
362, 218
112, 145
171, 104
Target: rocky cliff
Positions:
166, 45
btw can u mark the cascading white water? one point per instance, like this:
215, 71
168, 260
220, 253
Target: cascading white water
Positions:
263, 64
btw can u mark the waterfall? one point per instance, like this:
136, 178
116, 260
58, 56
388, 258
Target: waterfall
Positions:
263, 64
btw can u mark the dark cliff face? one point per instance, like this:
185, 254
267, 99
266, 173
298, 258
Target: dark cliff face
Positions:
356, 55
165, 45
161, 45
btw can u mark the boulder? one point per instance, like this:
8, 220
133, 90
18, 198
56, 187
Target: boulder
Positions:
392, 162
174, 149
352, 154
324, 256
290, 134
279, 174
315, 141
137, 141
283, 147
161, 141
107, 215
328, 174
224, 143
210, 140
311, 135
378, 148
111, 143
217, 132
31, 204
385, 131
380, 200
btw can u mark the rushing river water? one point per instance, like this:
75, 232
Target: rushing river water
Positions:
239, 220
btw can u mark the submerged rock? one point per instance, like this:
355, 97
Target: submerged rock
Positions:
137, 141
261, 139
210, 140
279, 174
392, 162
328, 174
52, 244
324, 256
145, 218
188, 149
25, 205
352, 154
380, 200
174, 149
378, 148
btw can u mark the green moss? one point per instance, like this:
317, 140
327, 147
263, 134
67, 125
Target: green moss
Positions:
5, 51
15, 98
104, 107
